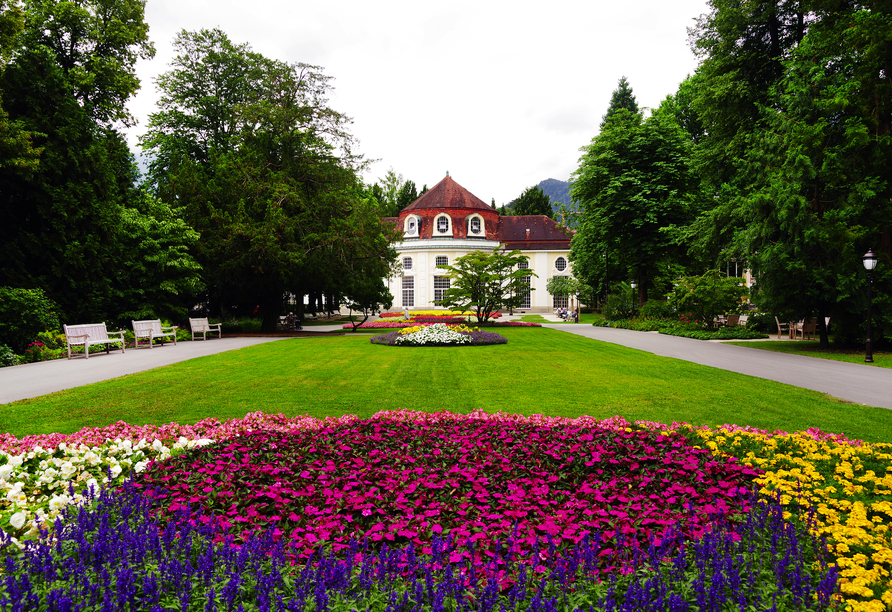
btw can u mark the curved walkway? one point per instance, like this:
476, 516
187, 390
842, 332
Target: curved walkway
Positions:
851, 382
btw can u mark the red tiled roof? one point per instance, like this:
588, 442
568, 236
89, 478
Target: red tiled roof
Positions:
448, 194
544, 233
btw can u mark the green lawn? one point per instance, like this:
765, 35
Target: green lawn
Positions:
813, 349
539, 371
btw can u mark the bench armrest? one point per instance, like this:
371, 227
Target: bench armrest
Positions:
68, 339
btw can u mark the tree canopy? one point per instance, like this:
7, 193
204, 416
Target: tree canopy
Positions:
634, 181
67, 178
796, 106
533, 201
247, 149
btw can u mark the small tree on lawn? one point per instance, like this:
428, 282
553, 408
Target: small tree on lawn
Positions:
487, 282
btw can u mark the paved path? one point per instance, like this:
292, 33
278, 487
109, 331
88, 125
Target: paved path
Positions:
35, 379
852, 382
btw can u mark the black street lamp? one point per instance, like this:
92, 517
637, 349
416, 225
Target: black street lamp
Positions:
577, 306
870, 262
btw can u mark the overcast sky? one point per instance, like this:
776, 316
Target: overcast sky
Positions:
500, 94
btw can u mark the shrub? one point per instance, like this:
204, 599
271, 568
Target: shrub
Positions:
709, 295
36, 351
7, 357
657, 309
620, 304
24, 313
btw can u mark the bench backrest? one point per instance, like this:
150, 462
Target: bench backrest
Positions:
95, 331
198, 324
143, 327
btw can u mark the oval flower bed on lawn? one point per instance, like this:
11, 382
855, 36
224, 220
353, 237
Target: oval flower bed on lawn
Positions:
439, 334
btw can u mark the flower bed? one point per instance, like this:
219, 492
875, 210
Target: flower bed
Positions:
846, 483
439, 334
127, 560
436, 313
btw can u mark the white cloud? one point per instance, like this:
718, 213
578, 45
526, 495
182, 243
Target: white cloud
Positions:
501, 94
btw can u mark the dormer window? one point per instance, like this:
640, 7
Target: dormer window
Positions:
476, 226
442, 225
412, 225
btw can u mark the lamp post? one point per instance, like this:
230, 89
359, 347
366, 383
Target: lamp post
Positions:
634, 286
577, 306
870, 262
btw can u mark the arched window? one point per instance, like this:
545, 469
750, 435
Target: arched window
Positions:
476, 225
560, 264
442, 224
412, 226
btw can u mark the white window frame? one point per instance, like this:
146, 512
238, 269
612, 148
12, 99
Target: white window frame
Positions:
480, 230
437, 259
439, 221
565, 264
417, 228
407, 263
441, 284
408, 290
527, 297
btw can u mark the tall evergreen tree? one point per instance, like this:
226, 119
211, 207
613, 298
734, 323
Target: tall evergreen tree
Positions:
622, 98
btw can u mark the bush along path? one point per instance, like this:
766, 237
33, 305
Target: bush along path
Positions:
641, 498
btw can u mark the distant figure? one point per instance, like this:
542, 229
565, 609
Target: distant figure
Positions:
406, 313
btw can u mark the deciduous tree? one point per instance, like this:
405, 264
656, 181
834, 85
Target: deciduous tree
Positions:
251, 154
633, 182
487, 282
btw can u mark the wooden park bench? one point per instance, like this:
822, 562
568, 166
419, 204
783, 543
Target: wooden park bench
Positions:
153, 329
91, 334
201, 326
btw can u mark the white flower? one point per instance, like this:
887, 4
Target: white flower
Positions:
115, 470
5, 471
17, 520
140, 467
58, 502
67, 470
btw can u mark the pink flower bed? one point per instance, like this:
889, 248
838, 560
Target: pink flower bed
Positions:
409, 477
210, 428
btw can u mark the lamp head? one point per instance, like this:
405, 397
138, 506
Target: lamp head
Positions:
869, 260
